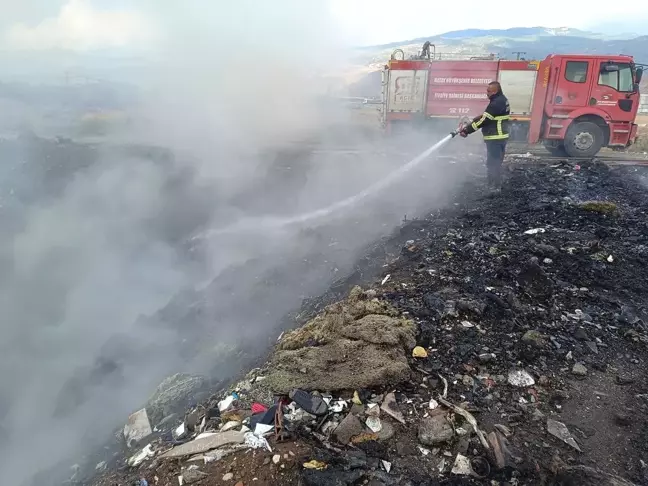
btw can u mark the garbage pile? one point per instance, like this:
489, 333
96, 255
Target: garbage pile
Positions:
504, 344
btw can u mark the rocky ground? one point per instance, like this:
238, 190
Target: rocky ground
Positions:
501, 340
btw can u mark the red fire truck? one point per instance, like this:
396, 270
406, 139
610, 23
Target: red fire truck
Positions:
573, 104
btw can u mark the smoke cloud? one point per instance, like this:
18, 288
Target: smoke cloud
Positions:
97, 238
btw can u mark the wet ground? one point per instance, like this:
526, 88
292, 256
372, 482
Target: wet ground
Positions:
546, 278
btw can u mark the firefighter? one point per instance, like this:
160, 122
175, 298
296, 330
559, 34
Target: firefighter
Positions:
494, 124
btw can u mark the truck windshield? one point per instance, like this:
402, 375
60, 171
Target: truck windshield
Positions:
621, 80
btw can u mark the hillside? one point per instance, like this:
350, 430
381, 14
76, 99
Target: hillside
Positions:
531, 42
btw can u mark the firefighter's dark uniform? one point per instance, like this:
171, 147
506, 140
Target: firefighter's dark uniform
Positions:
494, 124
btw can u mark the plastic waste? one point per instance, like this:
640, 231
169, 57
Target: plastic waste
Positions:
315, 405
225, 403
258, 408
520, 378
141, 456
374, 424
462, 466
419, 352
535, 231
316, 465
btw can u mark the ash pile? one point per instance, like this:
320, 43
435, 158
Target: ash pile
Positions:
503, 343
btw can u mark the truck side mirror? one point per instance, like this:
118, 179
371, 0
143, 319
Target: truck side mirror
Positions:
638, 75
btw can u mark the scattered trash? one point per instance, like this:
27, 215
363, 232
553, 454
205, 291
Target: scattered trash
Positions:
419, 352
137, 428
206, 443
445, 386
315, 405
215, 455
348, 428
276, 459
338, 406
524, 323
390, 407
498, 453
559, 430
374, 424
253, 441
226, 403
384, 280
480, 467
264, 418
180, 432
520, 378
258, 408
262, 429
462, 466
141, 456
231, 425
373, 410
469, 417
213, 413
435, 430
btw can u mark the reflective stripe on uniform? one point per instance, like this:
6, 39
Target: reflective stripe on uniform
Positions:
500, 132
478, 123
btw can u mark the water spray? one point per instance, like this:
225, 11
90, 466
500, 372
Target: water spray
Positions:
261, 223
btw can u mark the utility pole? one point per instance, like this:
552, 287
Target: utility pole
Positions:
518, 53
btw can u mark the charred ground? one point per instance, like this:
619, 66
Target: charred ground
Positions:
567, 304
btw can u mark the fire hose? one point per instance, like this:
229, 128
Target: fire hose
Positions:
264, 223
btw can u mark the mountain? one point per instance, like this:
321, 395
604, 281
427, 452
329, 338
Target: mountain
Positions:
527, 42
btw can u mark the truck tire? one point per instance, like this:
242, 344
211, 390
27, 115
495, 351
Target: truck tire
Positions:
583, 139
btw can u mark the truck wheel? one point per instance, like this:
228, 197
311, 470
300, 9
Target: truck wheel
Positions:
583, 139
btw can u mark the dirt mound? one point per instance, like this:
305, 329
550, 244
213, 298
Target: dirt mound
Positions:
356, 343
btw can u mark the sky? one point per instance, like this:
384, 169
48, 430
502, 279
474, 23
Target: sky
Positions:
84, 25
383, 21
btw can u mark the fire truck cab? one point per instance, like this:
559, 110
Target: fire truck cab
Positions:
587, 102
573, 104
